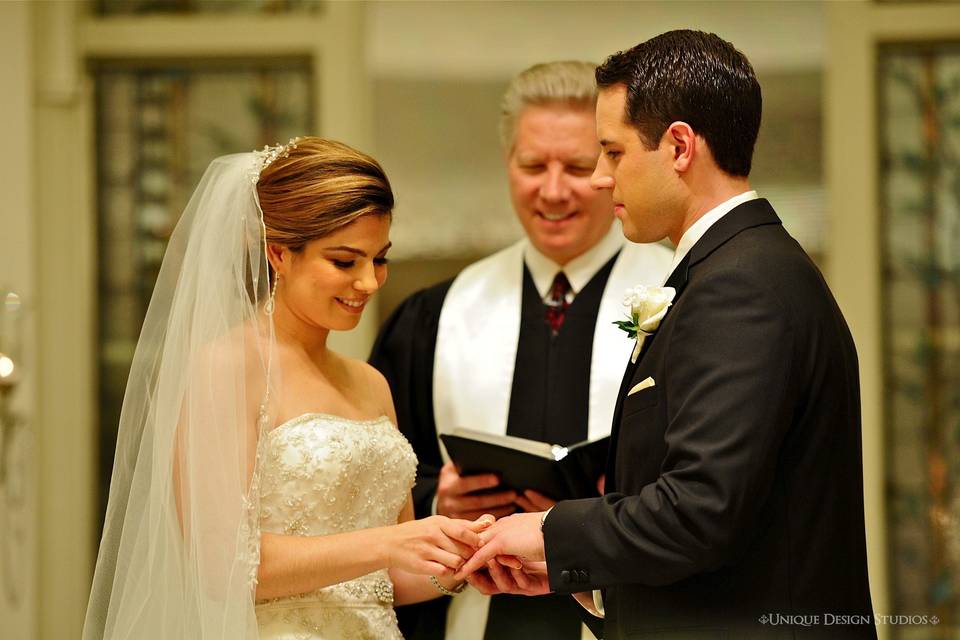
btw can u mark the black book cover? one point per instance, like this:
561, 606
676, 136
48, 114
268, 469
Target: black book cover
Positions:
561, 473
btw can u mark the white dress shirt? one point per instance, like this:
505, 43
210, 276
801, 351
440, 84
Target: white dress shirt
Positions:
580, 270
707, 220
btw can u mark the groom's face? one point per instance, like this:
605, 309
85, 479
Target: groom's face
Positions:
641, 180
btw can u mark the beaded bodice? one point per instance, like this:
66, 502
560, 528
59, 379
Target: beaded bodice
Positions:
321, 474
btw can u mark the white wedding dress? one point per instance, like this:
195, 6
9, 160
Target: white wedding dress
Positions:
321, 474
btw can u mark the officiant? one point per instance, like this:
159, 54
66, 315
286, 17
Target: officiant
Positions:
522, 342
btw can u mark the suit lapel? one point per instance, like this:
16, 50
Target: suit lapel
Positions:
677, 280
749, 214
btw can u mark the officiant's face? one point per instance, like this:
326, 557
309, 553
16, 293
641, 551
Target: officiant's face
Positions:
549, 167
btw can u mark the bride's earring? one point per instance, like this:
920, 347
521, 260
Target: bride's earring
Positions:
271, 304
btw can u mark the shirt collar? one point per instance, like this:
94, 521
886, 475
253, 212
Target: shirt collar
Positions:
707, 220
580, 270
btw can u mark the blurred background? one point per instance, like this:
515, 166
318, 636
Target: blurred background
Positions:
111, 109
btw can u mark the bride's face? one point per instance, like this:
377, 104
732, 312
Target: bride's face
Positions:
328, 283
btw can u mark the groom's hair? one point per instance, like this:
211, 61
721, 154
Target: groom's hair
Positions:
693, 77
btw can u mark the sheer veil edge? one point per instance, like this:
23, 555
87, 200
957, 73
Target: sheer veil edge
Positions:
180, 547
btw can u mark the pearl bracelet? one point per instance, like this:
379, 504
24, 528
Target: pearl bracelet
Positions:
447, 592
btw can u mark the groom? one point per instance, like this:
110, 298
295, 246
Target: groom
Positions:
734, 484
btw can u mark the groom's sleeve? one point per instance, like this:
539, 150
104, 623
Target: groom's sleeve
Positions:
404, 354
729, 390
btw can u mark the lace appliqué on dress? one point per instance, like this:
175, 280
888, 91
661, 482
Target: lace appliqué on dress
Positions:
249, 552
319, 475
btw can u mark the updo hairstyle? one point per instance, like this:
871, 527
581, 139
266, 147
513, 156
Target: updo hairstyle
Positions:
317, 188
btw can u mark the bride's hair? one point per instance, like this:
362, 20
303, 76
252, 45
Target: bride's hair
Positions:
318, 187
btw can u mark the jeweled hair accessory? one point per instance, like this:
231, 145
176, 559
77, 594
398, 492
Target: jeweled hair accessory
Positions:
266, 156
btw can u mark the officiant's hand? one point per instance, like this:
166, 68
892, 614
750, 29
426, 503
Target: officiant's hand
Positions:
518, 535
532, 501
454, 498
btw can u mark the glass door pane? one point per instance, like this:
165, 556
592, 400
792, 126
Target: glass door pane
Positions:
157, 129
919, 91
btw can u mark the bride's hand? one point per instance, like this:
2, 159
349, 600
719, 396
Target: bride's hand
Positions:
484, 521
435, 546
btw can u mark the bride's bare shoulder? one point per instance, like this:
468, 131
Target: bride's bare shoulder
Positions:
366, 377
242, 341
224, 349
233, 361
239, 349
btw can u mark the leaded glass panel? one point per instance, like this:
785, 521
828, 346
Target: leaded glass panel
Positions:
920, 198
157, 129
145, 7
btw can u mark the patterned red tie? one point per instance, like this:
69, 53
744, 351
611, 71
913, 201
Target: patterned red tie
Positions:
557, 302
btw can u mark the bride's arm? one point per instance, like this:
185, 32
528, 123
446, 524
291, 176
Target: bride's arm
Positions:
297, 564
408, 587
412, 549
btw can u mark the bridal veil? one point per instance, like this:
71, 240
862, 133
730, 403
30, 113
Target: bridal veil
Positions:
180, 546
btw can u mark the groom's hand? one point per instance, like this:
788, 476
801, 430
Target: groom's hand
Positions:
530, 580
456, 497
517, 535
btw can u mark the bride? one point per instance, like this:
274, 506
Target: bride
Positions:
260, 488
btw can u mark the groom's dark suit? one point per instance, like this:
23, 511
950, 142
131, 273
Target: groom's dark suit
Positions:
734, 483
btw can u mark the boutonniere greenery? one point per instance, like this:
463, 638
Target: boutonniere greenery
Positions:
647, 307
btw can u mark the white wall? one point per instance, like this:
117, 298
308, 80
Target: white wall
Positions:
440, 68
498, 39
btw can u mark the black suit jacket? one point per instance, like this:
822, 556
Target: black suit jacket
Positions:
734, 485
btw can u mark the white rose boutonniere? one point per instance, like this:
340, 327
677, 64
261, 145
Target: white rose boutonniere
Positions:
648, 306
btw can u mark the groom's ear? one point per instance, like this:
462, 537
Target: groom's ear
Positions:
682, 142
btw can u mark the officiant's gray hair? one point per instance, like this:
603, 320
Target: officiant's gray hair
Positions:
567, 82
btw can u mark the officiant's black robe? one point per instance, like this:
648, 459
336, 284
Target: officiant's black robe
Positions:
549, 401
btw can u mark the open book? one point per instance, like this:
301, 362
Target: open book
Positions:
562, 473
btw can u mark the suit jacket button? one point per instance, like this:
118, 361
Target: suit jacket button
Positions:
565, 577
583, 575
